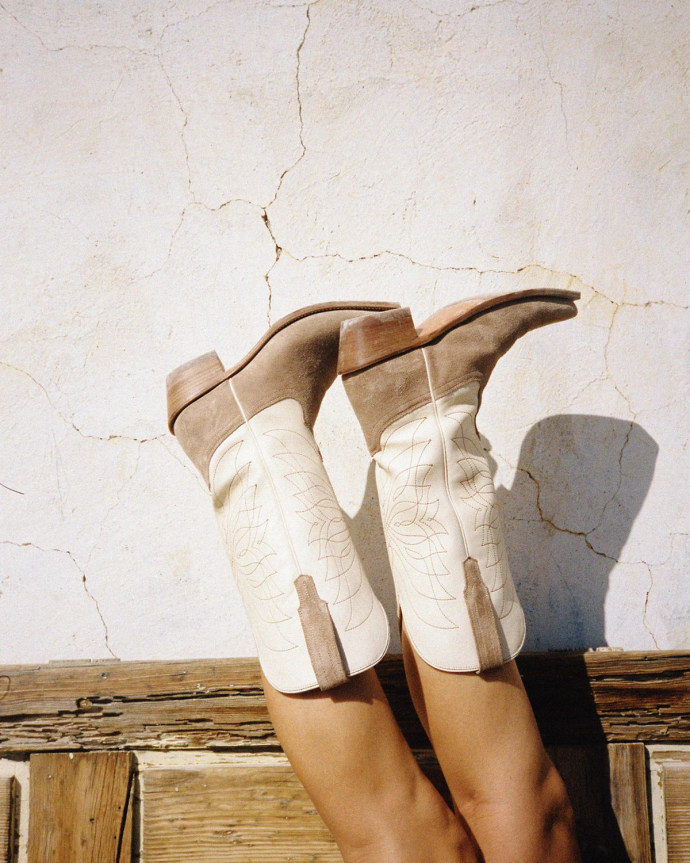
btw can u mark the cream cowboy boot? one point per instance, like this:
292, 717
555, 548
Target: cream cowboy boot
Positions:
416, 393
248, 430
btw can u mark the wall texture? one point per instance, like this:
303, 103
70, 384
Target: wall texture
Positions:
177, 175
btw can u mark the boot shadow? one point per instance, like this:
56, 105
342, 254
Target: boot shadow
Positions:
580, 483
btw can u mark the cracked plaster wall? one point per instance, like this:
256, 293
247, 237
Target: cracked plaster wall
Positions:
177, 175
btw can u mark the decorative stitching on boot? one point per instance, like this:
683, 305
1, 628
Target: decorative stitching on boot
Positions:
415, 538
477, 492
302, 466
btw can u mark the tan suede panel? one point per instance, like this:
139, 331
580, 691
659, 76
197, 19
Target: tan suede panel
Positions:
382, 393
319, 634
471, 351
385, 392
298, 363
204, 425
482, 617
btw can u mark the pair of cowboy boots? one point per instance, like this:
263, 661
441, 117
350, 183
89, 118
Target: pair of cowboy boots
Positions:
416, 392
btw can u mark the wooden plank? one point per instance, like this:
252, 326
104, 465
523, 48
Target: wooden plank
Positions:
611, 815
78, 807
218, 704
617, 697
628, 783
676, 789
7, 813
134, 705
233, 814
584, 769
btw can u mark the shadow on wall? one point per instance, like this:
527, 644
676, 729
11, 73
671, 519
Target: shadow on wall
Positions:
580, 483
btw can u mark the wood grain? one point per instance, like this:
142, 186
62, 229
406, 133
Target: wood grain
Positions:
676, 787
7, 798
628, 784
78, 808
235, 814
585, 771
219, 704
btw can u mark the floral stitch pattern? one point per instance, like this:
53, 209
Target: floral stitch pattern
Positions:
476, 490
244, 529
414, 535
302, 467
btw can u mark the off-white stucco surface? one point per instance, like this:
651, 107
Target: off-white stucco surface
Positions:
178, 175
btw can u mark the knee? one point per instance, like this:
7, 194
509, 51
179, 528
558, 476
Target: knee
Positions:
556, 808
536, 819
557, 819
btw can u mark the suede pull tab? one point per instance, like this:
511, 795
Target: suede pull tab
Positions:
319, 633
482, 617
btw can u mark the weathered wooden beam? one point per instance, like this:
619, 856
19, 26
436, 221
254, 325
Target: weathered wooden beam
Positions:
219, 704
617, 697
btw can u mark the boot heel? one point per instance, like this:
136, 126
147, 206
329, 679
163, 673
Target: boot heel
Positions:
190, 381
372, 338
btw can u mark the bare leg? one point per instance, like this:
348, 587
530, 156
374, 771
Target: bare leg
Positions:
352, 758
502, 780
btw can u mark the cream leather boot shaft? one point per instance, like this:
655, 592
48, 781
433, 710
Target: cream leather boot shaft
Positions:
417, 407
314, 616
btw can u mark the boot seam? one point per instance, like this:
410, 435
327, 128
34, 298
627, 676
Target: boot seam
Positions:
444, 447
274, 490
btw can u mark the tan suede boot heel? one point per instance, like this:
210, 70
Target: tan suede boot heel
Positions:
368, 340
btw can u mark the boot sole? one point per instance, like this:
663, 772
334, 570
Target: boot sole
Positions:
371, 339
195, 378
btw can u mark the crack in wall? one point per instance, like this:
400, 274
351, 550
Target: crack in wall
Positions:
617, 308
68, 47
298, 91
191, 18
477, 7
183, 462
515, 271
267, 274
183, 137
168, 254
70, 422
9, 488
300, 132
543, 518
559, 85
71, 556
402, 256
646, 603
114, 506
262, 209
